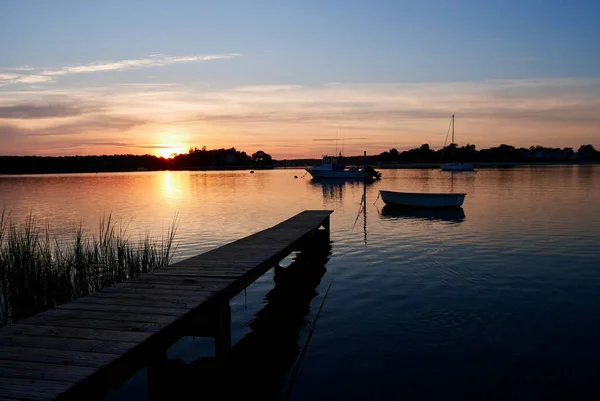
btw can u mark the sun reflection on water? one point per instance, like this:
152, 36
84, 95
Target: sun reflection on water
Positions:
171, 183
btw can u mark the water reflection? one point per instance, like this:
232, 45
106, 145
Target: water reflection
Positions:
171, 183
261, 360
398, 213
334, 188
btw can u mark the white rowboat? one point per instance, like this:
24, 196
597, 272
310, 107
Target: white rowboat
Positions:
428, 200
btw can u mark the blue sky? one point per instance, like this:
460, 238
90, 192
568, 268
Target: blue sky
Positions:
551, 47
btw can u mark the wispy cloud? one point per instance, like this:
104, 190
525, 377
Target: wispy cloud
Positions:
11, 79
31, 75
34, 111
338, 139
266, 88
293, 120
23, 68
122, 65
97, 123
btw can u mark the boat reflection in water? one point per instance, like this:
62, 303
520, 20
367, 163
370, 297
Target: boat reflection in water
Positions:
400, 213
334, 188
262, 360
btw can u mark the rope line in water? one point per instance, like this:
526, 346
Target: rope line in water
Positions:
360, 210
378, 195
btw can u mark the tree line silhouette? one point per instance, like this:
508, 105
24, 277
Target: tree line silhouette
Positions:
468, 153
194, 159
502, 153
232, 158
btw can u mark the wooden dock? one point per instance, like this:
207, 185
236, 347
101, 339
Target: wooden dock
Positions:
83, 349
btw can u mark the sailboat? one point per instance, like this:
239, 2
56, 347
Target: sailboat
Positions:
452, 165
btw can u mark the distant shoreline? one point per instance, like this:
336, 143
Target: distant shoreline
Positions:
383, 166
398, 166
393, 166
201, 168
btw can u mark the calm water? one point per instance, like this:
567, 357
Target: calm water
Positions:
499, 301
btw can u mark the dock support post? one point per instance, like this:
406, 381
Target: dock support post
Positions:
223, 331
327, 224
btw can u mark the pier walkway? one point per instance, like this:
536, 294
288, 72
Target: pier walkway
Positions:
85, 348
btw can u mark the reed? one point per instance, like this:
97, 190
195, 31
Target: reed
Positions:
39, 270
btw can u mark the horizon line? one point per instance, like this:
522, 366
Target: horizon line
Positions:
297, 158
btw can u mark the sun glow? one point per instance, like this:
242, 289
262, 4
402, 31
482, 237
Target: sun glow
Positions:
168, 151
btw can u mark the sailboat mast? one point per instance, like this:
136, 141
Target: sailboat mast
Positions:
452, 154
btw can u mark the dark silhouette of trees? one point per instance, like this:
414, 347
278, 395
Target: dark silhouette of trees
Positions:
83, 164
195, 158
587, 149
232, 158
262, 158
502, 153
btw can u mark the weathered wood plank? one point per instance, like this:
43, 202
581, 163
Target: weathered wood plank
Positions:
151, 292
125, 336
62, 313
31, 389
143, 299
55, 356
102, 324
64, 344
81, 305
199, 272
44, 371
220, 261
213, 286
183, 282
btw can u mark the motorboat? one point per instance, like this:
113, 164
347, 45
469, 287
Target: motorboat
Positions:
332, 167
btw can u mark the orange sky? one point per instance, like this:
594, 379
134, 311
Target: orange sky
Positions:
108, 77
293, 121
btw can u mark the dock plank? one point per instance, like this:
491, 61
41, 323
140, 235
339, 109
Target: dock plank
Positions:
111, 308
31, 389
44, 371
115, 325
84, 348
123, 316
125, 336
183, 282
200, 272
66, 343
145, 299
59, 356
214, 285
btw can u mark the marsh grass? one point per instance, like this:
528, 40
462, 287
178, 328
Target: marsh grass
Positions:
39, 270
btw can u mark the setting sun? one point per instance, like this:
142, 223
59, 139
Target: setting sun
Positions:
166, 152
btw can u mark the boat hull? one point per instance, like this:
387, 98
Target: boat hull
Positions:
457, 167
316, 173
450, 215
425, 200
